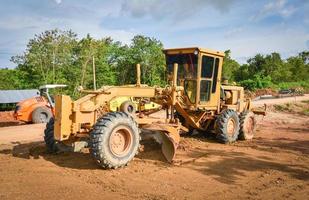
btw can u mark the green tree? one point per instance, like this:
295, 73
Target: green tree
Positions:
230, 66
242, 73
148, 52
256, 65
305, 56
57, 56
9, 79
90, 50
46, 57
276, 68
299, 67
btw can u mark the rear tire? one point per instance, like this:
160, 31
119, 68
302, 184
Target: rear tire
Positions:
227, 126
247, 125
114, 140
41, 115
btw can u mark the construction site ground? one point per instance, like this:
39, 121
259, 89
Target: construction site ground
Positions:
274, 165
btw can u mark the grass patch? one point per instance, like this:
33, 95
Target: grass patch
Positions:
301, 108
305, 101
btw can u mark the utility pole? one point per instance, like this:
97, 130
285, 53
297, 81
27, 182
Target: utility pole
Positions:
54, 58
93, 70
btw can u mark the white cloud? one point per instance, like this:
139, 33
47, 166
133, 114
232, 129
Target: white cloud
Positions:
17, 22
199, 22
16, 28
277, 7
233, 32
288, 42
95, 30
179, 9
35, 25
58, 1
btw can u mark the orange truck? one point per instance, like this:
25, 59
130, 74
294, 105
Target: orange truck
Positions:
37, 109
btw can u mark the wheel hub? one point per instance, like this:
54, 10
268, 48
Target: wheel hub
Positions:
250, 125
130, 109
43, 117
120, 141
231, 125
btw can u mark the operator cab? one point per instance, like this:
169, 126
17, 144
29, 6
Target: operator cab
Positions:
199, 73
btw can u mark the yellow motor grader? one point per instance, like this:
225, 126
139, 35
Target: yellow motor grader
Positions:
193, 99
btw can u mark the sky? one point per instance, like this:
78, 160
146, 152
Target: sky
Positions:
246, 27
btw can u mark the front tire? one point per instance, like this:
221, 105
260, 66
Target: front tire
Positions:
114, 140
227, 126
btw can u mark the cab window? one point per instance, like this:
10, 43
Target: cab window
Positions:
214, 85
205, 90
207, 66
190, 90
187, 65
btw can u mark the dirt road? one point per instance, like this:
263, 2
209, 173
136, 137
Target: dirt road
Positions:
274, 165
31, 132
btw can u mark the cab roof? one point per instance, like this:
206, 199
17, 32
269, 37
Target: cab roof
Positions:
192, 49
49, 86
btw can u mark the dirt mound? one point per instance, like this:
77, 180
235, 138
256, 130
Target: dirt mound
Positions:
260, 92
266, 91
6, 116
7, 119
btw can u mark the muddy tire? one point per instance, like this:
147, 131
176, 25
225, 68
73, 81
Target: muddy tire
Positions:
49, 139
128, 107
114, 140
247, 125
227, 126
41, 115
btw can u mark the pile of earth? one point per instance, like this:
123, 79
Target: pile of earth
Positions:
7, 119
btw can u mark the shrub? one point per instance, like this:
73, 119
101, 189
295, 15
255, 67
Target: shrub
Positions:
257, 82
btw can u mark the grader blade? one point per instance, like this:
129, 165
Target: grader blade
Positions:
169, 145
168, 137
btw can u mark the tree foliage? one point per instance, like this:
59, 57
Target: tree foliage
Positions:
146, 51
57, 56
271, 70
230, 66
9, 79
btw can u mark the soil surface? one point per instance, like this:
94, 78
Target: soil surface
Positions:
274, 165
7, 119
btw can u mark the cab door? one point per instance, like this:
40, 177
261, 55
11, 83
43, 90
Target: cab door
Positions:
209, 82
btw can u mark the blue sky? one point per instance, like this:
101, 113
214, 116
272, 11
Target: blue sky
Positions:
246, 27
